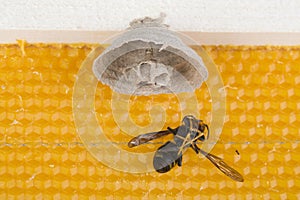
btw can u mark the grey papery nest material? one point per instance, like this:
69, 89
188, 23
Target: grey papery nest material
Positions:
150, 59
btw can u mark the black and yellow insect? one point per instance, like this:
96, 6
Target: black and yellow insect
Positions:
186, 135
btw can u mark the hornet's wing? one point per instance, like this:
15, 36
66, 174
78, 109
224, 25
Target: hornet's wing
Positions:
144, 138
223, 167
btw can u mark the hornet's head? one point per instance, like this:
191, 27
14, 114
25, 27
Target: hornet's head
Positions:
195, 124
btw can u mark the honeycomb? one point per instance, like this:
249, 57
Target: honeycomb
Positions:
43, 157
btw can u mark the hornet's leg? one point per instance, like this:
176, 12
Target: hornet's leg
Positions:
195, 147
179, 161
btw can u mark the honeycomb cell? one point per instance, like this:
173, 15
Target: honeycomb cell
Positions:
42, 156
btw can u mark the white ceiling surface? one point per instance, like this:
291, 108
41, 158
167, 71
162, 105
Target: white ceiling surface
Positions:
114, 15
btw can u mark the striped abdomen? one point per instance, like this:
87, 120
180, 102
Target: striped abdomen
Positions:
166, 157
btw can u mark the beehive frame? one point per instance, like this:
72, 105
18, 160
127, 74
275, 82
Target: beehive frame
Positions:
41, 155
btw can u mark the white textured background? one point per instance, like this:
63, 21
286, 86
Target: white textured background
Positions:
190, 15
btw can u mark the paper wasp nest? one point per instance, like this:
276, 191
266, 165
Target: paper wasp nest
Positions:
150, 59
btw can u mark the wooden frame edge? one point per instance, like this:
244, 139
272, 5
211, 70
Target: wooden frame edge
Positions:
203, 38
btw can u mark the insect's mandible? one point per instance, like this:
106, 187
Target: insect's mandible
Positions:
186, 135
